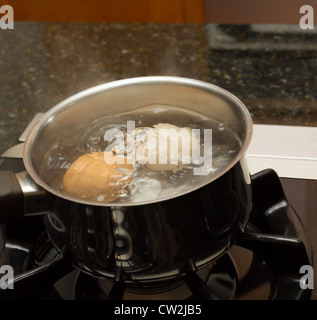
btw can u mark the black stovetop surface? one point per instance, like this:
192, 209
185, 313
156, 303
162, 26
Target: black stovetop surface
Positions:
264, 264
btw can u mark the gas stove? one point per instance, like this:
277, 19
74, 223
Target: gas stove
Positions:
268, 262
264, 264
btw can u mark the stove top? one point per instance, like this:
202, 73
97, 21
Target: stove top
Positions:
264, 264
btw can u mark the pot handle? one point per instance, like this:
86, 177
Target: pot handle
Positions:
20, 196
11, 198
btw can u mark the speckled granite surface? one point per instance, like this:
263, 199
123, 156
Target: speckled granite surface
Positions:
273, 71
43, 63
272, 68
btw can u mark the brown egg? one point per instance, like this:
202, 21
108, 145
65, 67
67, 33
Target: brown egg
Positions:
92, 178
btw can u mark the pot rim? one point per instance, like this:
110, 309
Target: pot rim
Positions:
58, 108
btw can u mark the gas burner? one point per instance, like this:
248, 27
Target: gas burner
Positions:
260, 273
263, 264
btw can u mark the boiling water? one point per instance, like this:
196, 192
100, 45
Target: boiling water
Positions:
146, 184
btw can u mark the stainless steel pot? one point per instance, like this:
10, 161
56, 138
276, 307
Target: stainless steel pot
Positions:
152, 240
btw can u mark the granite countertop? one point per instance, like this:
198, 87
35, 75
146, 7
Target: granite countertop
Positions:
272, 69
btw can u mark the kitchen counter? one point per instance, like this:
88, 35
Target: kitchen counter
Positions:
273, 69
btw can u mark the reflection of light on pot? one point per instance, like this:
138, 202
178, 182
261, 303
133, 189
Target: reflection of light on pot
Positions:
56, 222
123, 241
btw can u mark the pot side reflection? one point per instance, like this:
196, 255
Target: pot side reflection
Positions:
156, 241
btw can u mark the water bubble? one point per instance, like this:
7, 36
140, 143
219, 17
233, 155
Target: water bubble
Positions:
100, 198
94, 140
221, 126
122, 193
